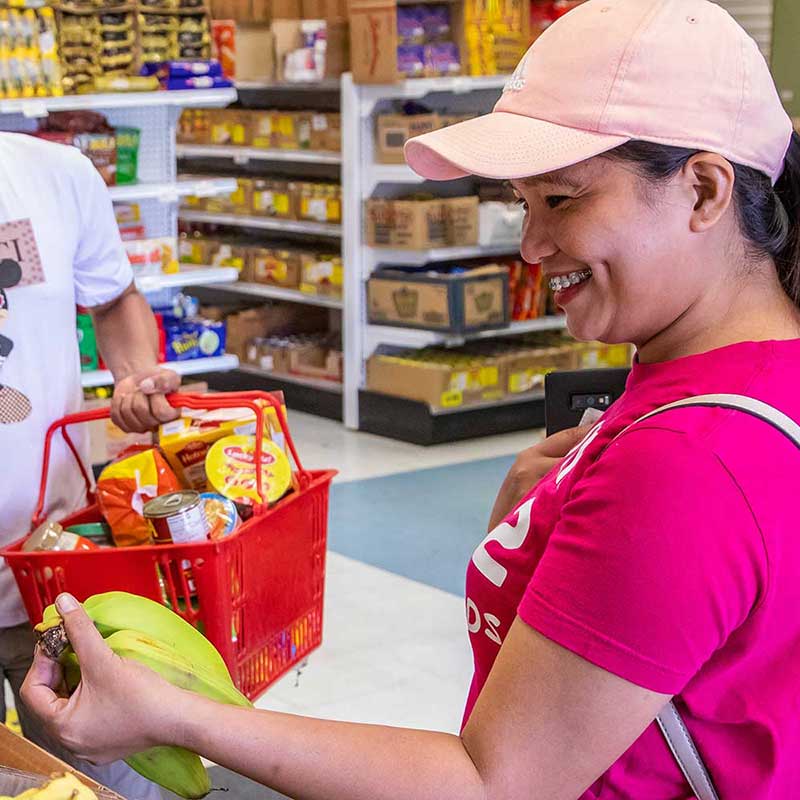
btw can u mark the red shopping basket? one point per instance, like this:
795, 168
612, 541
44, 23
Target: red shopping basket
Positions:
257, 593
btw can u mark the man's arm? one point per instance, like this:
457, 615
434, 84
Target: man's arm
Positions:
128, 340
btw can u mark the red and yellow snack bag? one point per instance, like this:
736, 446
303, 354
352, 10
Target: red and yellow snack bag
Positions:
126, 485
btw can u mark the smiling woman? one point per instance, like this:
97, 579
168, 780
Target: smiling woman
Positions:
644, 559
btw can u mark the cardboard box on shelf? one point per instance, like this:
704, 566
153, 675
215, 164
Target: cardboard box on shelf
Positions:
316, 361
276, 267
262, 128
437, 383
452, 303
373, 41
413, 224
255, 53
26, 766
265, 355
230, 126
393, 130
526, 369
461, 215
273, 198
321, 274
194, 126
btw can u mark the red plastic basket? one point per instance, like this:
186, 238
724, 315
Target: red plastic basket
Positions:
258, 592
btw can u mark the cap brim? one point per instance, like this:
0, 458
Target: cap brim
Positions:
503, 146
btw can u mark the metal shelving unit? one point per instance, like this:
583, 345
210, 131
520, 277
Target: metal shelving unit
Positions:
299, 380
279, 293
187, 276
172, 191
382, 414
264, 223
243, 155
196, 366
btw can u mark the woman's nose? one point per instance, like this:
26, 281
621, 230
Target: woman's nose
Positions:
536, 244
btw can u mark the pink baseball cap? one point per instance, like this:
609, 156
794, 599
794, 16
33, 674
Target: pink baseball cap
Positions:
674, 72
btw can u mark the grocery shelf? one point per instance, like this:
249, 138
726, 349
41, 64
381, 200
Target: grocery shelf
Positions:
41, 106
391, 173
411, 337
196, 366
265, 223
414, 421
241, 155
187, 276
416, 88
171, 191
299, 380
418, 258
322, 398
325, 85
279, 293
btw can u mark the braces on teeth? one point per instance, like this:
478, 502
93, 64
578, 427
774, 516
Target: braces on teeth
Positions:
573, 279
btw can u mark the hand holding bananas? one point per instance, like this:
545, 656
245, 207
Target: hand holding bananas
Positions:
128, 663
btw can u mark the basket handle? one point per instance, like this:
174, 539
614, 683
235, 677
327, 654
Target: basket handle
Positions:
195, 401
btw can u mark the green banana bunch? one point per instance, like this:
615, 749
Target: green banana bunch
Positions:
144, 631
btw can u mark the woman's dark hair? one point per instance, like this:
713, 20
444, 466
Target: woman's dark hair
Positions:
768, 216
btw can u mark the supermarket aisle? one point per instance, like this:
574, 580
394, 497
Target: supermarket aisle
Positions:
404, 522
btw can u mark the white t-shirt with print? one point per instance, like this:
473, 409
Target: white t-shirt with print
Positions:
83, 262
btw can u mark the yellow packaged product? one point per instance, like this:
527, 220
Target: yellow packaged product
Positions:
187, 441
231, 470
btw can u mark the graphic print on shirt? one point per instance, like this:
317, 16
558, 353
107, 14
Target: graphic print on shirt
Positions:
20, 265
512, 537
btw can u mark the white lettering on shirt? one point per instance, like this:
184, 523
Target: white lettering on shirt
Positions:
574, 456
510, 537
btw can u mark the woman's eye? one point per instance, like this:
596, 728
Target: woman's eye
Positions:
521, 201
555, 200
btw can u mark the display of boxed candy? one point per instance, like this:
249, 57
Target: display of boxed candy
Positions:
442, 379
187, 335
419, 224
452, 299
29, 57
496, 35
268, 128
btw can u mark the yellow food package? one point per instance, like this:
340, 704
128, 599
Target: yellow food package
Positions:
186, 441
231, 470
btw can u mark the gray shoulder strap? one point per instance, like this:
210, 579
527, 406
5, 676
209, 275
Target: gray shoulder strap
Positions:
675, 732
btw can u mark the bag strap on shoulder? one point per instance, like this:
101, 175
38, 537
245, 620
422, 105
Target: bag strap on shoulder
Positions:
669, 721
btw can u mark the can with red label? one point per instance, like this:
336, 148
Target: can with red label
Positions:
176, 517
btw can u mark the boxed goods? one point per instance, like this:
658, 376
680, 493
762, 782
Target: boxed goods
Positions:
276, 267
223, 36
321, 274
443, 379
253, 56
262, 126
271, 198
152, 256
496, 35
25, 766
316, 355
318, 202
455, 300
29, 58
194, 126
393, 130
230, 127
419, 224
411, 224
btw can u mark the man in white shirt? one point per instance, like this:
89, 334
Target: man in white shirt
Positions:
60, 246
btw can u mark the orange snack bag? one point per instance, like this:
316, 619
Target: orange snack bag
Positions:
126, 485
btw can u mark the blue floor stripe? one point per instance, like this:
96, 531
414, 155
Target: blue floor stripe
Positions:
423, 525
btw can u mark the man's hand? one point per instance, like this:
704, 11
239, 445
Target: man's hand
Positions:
530, 467
139, 402
120, 707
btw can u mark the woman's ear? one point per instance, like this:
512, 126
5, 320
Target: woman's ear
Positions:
710, 178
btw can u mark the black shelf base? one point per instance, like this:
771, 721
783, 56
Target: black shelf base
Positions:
412, 421
298, 397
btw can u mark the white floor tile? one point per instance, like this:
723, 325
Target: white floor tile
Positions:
395, 652
323, 443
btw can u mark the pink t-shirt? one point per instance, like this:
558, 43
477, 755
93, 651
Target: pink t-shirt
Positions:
671, 557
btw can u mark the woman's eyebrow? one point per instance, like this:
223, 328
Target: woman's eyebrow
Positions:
557, 178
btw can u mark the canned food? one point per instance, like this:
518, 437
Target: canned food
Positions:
176, 517
221, 515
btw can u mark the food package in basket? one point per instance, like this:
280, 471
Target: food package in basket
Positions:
137, 476
231, 469
187, 440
